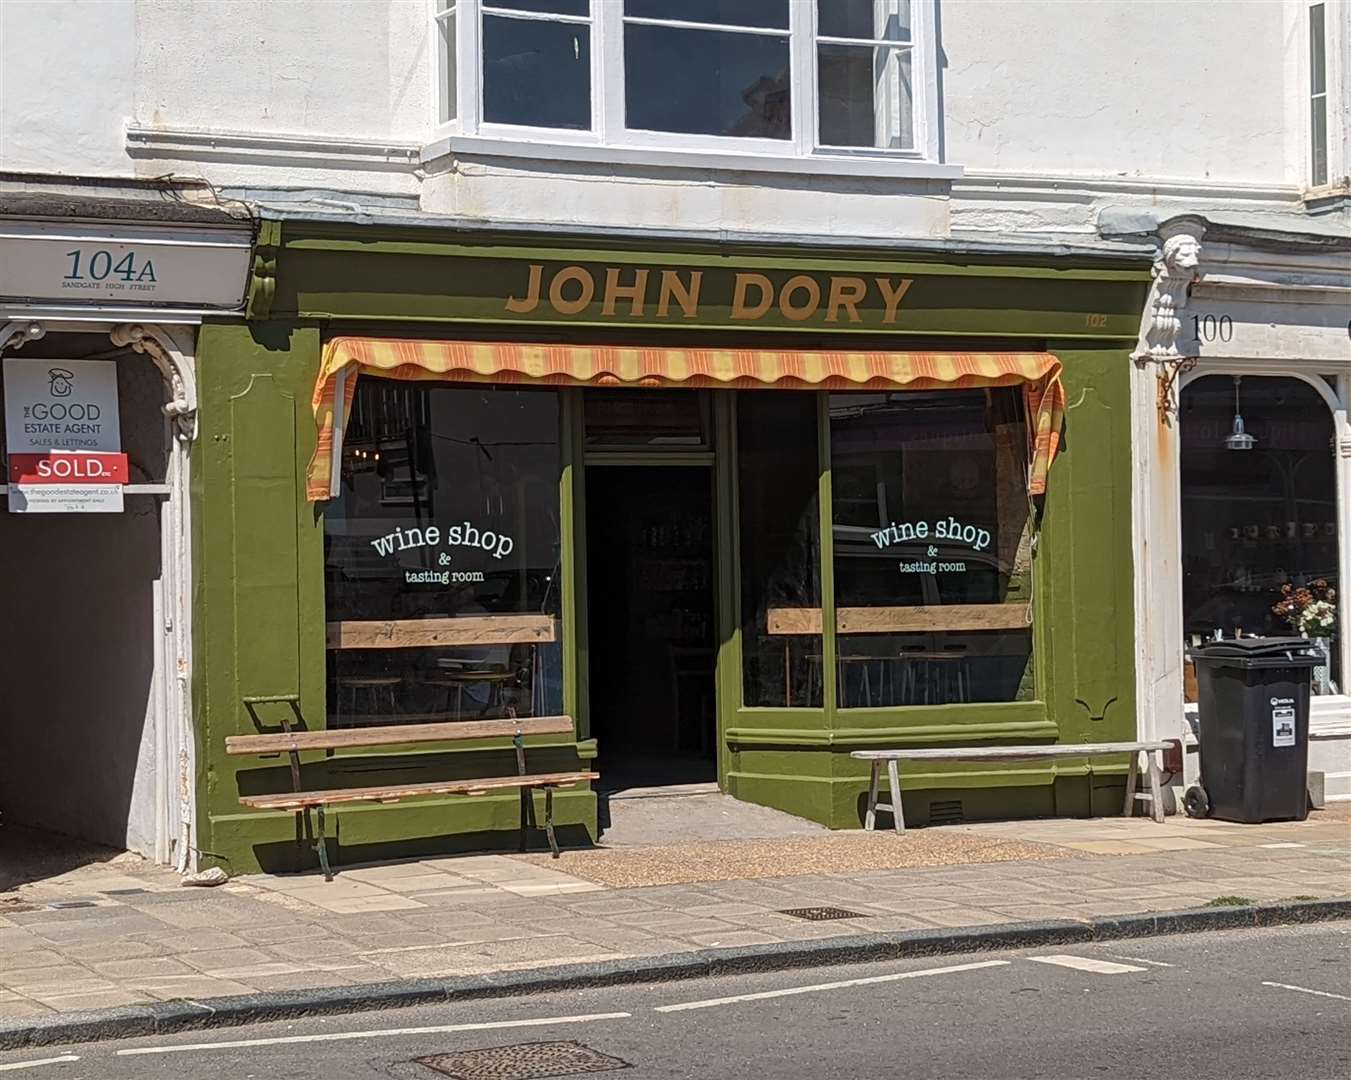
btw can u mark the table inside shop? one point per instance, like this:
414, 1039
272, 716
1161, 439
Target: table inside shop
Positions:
452, 675
931, 619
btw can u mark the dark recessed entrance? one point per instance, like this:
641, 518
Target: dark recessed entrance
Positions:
650, 615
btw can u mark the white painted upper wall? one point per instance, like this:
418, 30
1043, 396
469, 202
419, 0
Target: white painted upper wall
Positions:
1055, 108
67, 79
342, 68
1155, 88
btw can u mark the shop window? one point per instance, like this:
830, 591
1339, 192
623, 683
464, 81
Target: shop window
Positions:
442, 556
932, 547
646, 419
782, 77
778, 473
1260, 536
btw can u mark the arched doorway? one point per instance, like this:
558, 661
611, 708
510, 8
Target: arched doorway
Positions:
1259, 513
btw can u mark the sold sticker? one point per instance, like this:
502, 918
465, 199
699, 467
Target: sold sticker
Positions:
68, 468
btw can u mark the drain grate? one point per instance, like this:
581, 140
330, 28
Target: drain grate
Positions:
124, 892
822, 914
65, 905
523, 1061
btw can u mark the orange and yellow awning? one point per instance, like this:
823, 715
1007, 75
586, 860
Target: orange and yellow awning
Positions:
346, 358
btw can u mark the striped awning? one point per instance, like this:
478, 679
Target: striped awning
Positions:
346, 358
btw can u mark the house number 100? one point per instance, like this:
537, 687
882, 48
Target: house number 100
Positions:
101, 265
1208, 328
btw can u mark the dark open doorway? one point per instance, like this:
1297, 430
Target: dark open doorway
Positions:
650, 617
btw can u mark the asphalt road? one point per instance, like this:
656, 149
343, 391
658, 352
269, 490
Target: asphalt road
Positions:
1232, 1005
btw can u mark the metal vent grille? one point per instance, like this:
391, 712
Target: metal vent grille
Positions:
821, 914
522, 1061
946, 813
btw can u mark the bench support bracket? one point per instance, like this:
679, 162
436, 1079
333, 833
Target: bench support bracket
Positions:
321, 843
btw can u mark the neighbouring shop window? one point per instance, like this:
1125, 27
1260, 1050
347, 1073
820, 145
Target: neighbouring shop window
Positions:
778, 472
933, 567
442, 556
652, 419
1260, 536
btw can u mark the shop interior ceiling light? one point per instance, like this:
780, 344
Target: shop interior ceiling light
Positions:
1238, 439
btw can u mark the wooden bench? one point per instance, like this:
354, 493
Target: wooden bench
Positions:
893, 758
293, 743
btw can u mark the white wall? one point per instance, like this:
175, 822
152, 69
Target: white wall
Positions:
67, 78
1155, 88
351, 68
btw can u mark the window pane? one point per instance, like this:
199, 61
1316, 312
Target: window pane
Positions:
548, 7
1318, 137
447, 524
706, 82
780, 548
446, 108
765, 13
1254, 521
872, 20
933, 551
1318, 71
653, 418
866, 96
536, 73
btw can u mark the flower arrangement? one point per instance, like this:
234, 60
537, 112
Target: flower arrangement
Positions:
1310, 609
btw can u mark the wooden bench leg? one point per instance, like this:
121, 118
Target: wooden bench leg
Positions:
1155, 785
549, 820
870, 818
897, 814
1132, 781
320, 843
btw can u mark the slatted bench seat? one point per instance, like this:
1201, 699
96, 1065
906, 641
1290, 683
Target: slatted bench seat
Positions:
293, 743
893, 758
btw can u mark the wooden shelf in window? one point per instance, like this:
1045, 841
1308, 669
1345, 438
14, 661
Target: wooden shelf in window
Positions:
424, 633
904, 620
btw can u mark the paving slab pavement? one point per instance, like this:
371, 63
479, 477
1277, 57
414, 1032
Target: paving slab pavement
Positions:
98, 937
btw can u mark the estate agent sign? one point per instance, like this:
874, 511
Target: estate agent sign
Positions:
63, 435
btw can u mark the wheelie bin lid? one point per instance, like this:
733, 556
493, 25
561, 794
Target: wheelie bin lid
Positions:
1260, 652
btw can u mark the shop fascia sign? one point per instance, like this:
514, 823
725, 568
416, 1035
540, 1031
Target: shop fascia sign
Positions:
628, 292
63, 436
428, 538
1306, 324
65, 264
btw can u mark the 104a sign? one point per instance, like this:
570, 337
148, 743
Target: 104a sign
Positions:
90, 268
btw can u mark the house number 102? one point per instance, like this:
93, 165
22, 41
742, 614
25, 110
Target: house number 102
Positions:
101, 266
1209, 328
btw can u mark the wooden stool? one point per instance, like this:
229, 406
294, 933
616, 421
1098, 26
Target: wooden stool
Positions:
378, 690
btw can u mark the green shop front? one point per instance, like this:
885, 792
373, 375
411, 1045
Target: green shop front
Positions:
736, 512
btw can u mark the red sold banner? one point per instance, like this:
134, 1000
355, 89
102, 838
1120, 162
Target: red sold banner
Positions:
68, 468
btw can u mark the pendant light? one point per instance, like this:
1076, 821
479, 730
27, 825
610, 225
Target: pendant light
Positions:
1238, 439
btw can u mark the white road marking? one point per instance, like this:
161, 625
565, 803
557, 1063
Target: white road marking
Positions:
1140, 960
1306, 990
1285, 844
1083, 963
382, 1033
34, 1064
818, 987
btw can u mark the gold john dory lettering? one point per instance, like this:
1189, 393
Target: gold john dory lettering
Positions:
627, 292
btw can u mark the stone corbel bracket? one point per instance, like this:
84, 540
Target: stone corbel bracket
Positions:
172, 360
1161, 342
15, 335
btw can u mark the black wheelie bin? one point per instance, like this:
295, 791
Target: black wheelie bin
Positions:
1253, 703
